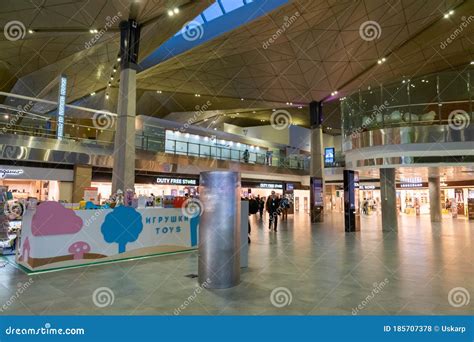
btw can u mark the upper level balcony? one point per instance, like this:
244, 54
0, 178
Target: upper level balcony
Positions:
423, 120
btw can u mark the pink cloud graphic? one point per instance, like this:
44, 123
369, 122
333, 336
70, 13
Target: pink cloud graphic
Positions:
51, 218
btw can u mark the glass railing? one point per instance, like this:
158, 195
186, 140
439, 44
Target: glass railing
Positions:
209, 151
439, 99
72, 132
91, 135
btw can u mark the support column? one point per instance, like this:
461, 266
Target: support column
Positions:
82, 179
351, 198
317, 163
435, 198
123, 174
388, 198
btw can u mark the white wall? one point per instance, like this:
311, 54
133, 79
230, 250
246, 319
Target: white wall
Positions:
295, 136
267, 133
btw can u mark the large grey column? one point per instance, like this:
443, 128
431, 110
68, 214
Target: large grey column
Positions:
219, 229
317, 158
388, 198
435, 198
123, 174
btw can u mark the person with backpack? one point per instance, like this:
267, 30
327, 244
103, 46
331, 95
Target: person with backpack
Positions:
285, 205
253, 209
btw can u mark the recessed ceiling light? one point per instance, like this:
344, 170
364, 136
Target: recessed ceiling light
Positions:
451, 12
158, 91
472, 63
93, 93
106, 96
170, 13
114, 69
241, 99
112, 78
30, 31
118, 59
6, 116
176, 10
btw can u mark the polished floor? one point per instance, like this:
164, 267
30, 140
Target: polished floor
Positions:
302, 269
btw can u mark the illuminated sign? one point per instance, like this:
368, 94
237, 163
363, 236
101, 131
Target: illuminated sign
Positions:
177, 181
10, 172
271, 186
329, 155
413, 182
61, 106
367, 187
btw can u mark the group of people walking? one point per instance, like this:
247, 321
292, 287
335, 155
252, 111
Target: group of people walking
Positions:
275, 205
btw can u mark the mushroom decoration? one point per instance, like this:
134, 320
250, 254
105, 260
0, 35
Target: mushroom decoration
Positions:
78, 249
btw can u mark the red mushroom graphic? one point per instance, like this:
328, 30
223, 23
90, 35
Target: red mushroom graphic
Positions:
78, 249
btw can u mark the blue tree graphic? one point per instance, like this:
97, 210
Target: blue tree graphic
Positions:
194, 224
122, 225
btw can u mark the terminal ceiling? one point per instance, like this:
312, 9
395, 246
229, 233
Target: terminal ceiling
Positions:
319, 52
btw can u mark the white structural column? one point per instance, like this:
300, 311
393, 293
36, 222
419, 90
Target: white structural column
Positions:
388, 196
435, 198
123, 174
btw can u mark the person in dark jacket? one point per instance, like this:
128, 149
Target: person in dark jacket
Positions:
261, 206
273, 205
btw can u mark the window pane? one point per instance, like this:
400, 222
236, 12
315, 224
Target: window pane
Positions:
230, 5
212, 12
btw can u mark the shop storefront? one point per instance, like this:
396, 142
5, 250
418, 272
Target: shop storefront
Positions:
22, 183
413, 198
295, 190
148, 185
